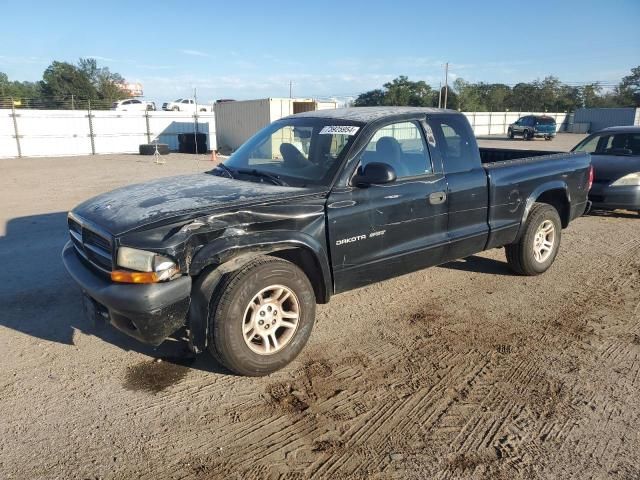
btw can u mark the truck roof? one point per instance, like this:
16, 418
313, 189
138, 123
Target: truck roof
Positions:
368, 114
622, 129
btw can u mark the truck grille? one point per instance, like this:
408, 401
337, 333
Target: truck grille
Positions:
92, 246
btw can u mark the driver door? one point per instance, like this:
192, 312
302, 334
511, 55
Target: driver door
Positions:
386, 230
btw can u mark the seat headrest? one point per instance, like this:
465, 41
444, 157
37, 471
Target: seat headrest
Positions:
389, 147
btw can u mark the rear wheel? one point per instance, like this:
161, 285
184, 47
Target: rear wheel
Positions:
526, 135
263, 317
538, 246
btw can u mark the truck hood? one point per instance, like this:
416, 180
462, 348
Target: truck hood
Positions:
134, 206
609, 168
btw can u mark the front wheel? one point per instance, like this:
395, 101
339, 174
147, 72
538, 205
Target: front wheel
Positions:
263, 316
526, 135
538, 246
510, 134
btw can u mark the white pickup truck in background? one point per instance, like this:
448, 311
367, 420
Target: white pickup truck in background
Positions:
186, 105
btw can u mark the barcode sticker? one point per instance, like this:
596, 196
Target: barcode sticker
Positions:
339, 130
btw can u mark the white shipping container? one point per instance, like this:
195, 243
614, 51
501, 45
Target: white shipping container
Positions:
238, 120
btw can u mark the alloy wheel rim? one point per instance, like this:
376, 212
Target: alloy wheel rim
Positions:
544, 241
271, 319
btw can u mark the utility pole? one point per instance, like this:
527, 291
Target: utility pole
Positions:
446, 83
290, 89
195, 119
440, 95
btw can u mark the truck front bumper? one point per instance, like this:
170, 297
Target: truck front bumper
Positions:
606, 197
148, 313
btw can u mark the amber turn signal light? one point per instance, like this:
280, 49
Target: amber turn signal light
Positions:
123, 276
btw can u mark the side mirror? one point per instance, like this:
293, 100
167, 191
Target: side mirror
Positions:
374, 173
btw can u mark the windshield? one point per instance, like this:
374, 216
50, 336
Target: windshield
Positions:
617, 144
298, 151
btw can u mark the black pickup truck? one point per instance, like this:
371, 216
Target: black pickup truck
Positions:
311, 206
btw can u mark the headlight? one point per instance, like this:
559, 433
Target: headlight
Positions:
148, 267
633, 179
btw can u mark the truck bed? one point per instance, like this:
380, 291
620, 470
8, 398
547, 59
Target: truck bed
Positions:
493, 155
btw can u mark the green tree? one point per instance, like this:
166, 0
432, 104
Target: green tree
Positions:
371, 98
400, 91
628, 91
21, 92
61, 80
109, 86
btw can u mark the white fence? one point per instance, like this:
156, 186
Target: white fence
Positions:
31, 133
497, 123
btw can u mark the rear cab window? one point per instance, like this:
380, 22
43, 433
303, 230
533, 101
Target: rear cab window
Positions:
455, 142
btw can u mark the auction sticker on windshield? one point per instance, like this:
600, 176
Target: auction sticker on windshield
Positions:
339, 130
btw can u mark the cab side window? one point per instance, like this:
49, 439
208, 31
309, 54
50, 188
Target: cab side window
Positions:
402, 146
456, 142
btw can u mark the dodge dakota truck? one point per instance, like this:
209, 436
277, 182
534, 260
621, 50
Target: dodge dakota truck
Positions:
311, 206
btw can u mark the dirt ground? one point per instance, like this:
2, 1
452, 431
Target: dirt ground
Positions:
458, 371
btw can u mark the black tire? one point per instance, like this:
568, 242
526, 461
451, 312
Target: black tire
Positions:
525, 135
548, 138
175, 109
227, 343
192, 137
520, 255
191, 147
510, 134
150, 149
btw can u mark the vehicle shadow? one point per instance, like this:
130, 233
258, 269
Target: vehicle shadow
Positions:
479, 264
614, 214
40, 299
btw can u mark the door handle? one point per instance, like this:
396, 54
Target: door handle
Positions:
437, 198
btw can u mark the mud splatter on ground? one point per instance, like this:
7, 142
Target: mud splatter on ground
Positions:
157, 375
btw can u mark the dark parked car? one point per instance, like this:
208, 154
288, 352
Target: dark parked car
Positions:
313, 205
533, 126
615, 155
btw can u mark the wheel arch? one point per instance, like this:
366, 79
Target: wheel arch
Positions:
221, 257
554, 193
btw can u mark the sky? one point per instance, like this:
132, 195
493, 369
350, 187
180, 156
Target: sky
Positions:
253, 49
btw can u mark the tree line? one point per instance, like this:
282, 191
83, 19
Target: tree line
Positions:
549, 94
65, 85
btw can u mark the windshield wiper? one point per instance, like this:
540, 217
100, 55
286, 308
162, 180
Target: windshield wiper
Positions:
275, 179
226, 170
